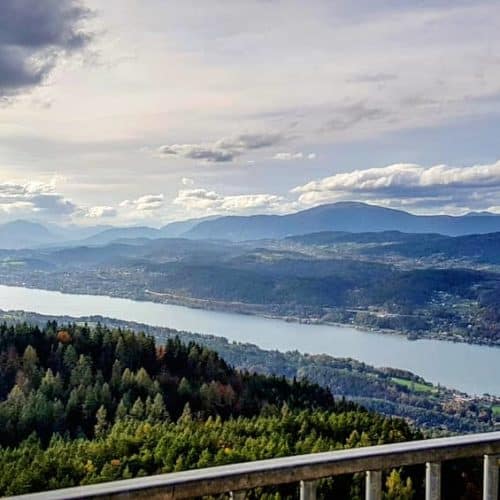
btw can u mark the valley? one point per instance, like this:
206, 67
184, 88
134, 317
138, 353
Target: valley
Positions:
421, 286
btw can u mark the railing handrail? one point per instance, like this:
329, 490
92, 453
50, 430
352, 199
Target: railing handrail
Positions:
247, 475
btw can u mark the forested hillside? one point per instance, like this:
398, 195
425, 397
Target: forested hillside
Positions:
392, 392
64, 380
93, 404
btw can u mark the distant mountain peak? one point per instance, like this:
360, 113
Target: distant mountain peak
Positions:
23, 233
350, 216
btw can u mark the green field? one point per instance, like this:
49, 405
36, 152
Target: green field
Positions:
414, 386
496, 410
12, 263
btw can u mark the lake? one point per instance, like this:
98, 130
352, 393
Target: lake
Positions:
471, 368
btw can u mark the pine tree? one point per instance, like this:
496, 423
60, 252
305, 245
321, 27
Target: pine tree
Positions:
122, 408
184, 388
30, 366
127, 380
137, 410
101, 425
158, 411
51, 385
70, 358
81, 374
186, 415
143, 381
116, 375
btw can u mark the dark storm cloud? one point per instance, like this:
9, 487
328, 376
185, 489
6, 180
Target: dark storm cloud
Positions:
34, 34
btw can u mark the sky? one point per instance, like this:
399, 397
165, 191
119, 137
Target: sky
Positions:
132, 112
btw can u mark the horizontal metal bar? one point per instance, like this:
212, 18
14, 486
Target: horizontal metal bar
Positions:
248, 475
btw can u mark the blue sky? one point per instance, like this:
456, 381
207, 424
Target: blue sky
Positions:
125, 112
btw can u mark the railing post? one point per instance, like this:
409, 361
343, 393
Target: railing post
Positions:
373, 485
238, 495
308, 490
432, 481
490, 477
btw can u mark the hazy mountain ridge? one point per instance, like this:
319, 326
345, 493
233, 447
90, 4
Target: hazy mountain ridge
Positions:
21, 234
343, 216
350, 217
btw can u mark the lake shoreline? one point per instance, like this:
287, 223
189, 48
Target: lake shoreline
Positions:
248, 356
246, 309
439, 362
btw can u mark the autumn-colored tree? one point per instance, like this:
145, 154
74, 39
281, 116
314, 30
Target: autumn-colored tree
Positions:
64, 337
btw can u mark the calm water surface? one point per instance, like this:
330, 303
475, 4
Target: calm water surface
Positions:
471, 368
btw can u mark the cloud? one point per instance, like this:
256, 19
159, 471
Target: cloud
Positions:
39, 199
223, 150
186, 181
247, 142
203, 200
101, 212
42, 201
197, 152
409, 184
293, 156
373, 77
34, 35
354, 114
146, 203
288, 156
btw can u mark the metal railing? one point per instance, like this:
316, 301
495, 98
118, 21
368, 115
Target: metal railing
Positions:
236, 479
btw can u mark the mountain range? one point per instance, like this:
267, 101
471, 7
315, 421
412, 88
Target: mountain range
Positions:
19, 234
344, 216
351, 217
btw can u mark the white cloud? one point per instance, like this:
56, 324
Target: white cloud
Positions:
409, 184
99, 212
135, 210
214, 69
40, 199
203, 200
287, 156
187, 181
146, 203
